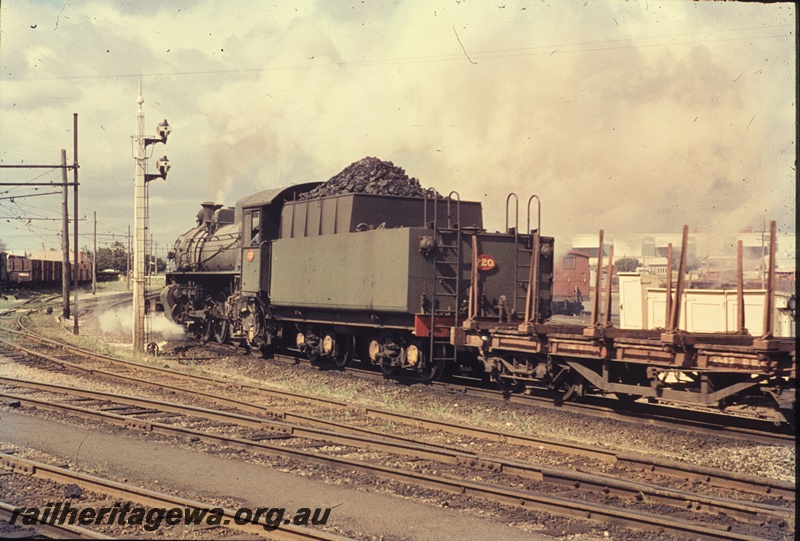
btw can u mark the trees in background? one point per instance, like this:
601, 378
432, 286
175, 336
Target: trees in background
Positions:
626, 264
115, 257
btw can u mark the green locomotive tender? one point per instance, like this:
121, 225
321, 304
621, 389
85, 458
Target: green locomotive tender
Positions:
383, 278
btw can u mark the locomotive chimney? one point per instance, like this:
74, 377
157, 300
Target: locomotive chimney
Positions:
208, 211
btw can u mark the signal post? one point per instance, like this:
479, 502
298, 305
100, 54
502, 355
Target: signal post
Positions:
140, 216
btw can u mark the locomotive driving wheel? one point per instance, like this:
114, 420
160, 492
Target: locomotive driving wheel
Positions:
201, 330
178, 311
207, 330
221, 326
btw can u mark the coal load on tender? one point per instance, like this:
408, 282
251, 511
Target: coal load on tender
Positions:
369, 175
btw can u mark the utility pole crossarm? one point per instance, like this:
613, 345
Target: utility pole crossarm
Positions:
20, 166
54, 184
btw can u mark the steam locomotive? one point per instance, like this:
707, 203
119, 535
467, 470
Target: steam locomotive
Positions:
380, 277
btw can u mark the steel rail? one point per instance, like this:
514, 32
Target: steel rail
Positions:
710, 477
558, 506
150, 498
273, 428
652, 415
661, 415
750, 512
55, 531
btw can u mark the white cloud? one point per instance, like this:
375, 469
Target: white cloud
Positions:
627, 116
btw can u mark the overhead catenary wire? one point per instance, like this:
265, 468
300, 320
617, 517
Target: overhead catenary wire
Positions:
23, 184
545, 49
12, 198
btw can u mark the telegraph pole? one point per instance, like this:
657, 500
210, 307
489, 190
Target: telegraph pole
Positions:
64, 237
76, 274
140, 211
128, 261
94, 256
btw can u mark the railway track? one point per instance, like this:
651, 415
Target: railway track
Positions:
284, 424
54, 531
691, 420
150, 499
750, 512
216, 386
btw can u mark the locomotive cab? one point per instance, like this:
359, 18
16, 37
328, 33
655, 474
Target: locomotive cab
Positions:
260, 225
222, 266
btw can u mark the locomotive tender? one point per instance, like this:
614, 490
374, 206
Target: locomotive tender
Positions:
380, 277
417, 283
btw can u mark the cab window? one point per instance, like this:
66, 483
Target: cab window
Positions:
252, 227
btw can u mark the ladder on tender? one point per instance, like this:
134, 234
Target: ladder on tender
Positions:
446, 281
523, 255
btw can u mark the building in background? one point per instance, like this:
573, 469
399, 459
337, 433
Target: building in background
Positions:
710, 257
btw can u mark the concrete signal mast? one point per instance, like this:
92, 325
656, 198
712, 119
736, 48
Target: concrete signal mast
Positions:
140, 215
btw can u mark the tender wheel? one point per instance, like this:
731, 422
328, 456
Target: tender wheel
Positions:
387, 352
387, 368
308, 342
432, 371
427, 369
252, 324
345, 348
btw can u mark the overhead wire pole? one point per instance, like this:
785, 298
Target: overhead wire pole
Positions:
94, 255
128, 260
75, 274
64, 184
65, 312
